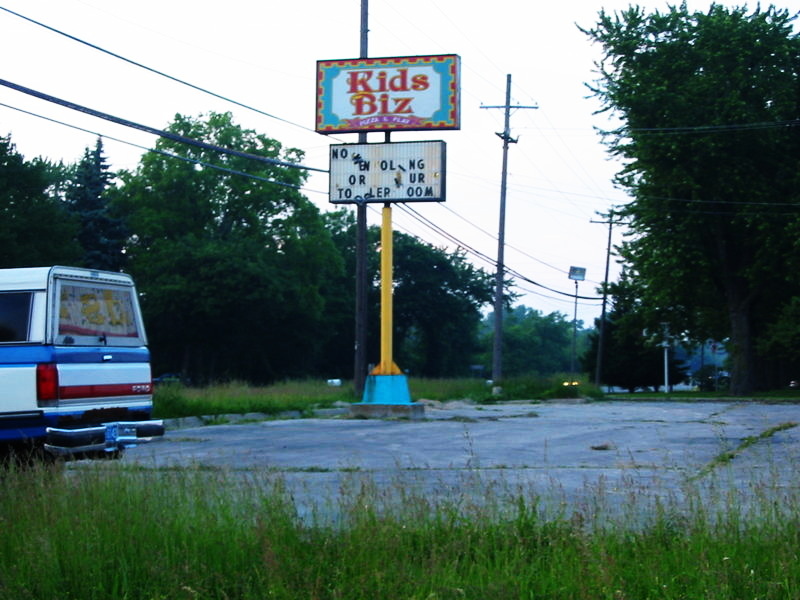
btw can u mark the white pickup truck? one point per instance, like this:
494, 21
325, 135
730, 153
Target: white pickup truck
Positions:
75, 372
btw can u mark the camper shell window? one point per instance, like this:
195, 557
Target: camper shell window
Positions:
15, 316
92, 314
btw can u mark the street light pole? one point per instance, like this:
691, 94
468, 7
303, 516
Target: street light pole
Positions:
577, 274
574, 332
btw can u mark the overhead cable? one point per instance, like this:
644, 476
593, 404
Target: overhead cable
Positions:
712, 128
491, 235
153, 131
163, 152
732, 203
470, 250
155, 71
512, 272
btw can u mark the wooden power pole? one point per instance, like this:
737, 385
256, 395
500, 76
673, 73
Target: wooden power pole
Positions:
598, 370
360, 358
497, 348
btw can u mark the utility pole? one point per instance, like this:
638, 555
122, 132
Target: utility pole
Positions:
360, 358
598, 372
497, 349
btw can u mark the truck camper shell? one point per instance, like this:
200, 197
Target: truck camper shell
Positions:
74, 364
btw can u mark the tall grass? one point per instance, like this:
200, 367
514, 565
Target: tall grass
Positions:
529, 387
175, 400
113, 532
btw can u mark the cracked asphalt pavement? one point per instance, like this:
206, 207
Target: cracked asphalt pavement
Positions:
568, 455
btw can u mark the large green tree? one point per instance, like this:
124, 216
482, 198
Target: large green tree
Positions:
339, 348
709, 105
437, 300
231, 258
533, 343
36, 228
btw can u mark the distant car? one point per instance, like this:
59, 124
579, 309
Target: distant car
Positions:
168, 378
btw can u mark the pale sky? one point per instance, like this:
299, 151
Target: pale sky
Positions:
263, 54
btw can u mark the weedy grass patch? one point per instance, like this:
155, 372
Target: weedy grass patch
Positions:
176, 400
113, 531
173, 400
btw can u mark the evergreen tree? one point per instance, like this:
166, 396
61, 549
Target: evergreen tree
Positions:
101, 235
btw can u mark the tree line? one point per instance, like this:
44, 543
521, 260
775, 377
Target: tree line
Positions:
708, 106
242, 277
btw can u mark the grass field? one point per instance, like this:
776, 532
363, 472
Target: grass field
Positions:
107, 531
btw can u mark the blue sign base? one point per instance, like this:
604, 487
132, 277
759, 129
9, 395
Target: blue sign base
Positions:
386, 389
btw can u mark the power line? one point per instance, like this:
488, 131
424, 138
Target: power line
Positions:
575, 164
204, 145
701, 129
153, 131
491, 235
163, 152
164, 133
723, 202
477, 254
536, 283
517, 274
431, 225
407, 209
155, 71
569, 300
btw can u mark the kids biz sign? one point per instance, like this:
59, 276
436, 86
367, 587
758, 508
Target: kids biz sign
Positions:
374, 94
394, 172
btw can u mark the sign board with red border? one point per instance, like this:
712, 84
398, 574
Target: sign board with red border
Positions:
390, 172
378, 94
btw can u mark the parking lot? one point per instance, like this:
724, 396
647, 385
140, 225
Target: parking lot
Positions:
573, 457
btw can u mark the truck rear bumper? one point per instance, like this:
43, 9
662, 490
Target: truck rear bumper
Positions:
108, 437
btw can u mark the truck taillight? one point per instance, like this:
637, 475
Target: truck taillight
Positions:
46, 383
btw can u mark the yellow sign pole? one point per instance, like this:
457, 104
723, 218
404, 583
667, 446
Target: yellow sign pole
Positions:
386, 366
386, 389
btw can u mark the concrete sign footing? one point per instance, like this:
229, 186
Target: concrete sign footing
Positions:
414, 411
387, 396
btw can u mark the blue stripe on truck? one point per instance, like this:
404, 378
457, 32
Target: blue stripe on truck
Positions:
32, 354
